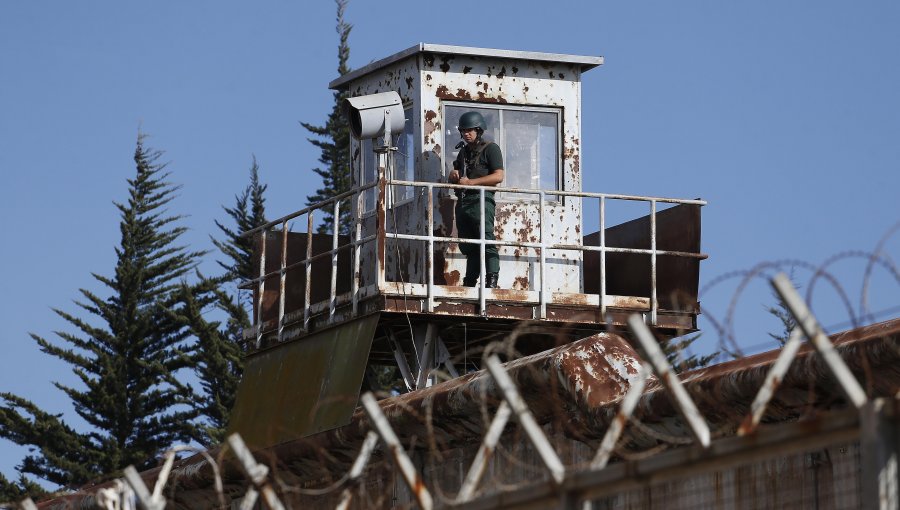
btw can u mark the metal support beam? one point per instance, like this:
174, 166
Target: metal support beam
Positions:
400, 358
442, 357
426, 355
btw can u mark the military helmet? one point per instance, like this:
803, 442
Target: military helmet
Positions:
470, 120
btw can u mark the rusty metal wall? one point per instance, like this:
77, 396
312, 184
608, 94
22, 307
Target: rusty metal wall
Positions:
295, 284
628, 274
458, 79
303, 387
426, 82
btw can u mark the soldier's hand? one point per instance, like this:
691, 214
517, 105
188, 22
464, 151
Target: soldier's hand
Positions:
454, 176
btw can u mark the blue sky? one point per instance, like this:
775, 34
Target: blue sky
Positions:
784, 116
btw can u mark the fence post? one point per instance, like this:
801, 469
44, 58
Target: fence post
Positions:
401, 459
880, 485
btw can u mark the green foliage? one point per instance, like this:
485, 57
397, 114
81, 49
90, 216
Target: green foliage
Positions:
14, 492
127, 355
333, 141
675, 350
780, 311
216, 355
249, 212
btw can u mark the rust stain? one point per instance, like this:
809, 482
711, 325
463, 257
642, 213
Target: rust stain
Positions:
462, 93
430, 125
428, 59
467, 69
515, 70
428, 77
445, 63
502, 73
452, 277
409, 82
521, 282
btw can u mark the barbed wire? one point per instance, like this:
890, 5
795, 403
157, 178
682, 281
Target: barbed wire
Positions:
514, 463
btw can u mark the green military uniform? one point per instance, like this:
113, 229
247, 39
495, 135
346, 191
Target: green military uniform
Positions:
473, 162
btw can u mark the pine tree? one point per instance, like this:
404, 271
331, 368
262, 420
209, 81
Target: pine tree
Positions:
675, 349
125, 352
217, 353
249, 212
785, 317
333, 140
14, 492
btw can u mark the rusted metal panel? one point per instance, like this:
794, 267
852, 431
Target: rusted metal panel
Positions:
427, 81
460, 80
628, 274
295, 278
299, 388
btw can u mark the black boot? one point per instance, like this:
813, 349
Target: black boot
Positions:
469, 282
492, 279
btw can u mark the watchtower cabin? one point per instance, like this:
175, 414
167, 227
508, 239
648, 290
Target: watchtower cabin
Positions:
381, 286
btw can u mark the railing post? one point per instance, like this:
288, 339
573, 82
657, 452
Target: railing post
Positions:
307, 291
282, 281
357, 246
429, 266
603, 256
335, 237
261, 287
543, 258
654, 302
381, 226
482, 282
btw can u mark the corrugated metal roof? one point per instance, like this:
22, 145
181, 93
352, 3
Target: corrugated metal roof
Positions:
586, 62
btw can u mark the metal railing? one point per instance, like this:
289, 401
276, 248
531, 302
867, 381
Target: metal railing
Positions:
376, 266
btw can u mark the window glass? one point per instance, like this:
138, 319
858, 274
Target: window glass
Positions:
529, 139
404, 166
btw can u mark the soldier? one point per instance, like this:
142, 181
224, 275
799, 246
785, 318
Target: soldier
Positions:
479, 163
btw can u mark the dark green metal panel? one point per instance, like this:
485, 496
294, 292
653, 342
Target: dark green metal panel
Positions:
303, 387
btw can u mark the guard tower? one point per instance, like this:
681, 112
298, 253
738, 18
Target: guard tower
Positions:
380, 287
